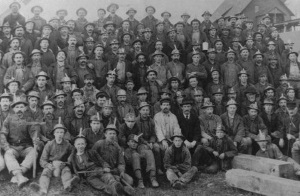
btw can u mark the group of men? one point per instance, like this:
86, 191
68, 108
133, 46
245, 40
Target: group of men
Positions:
115, 101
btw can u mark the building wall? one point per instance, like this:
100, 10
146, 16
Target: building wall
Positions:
262, 5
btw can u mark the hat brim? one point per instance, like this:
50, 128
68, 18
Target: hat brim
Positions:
42, 106
114, 129
18, 102
148, 105
210, 106
181, 136
105, 25
19, 84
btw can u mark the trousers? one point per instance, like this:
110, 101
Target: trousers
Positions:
185, 178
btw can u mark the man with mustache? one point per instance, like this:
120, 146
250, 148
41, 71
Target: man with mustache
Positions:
101, 98
17, 139
260, 67
33, 109
230, 69
166, 124
72, 51
140, 68
79, 119
61, 109
176, 67
110, 88
44, 89
122, 106
82, 69
13, 46
89, 91
66, 84
5, 101
25, 43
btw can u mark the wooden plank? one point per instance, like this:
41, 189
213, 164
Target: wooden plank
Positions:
262, 183
264, 165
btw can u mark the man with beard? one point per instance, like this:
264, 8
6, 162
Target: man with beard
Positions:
158, 48
189, 124
110, 88
112, 8
253, 123
36, 64
112, 55
103, 40
72, 31
166, 124
20, 72
283, 80
89, 32
246, 63
14, 17
282, 109
215, 84
166, 20
26, 45
89, 91
79, 119
230, 69
122, 107
44, 45
101, 98
61, 109
17, 139
61, 14
82, 69
59, 69
88, 46
275, 70
149, 21
271, 51
123, 68
258, 41
139, 70
44, 89
208, 122
12, 47
62, 39
172, 44
176, 67
249, 97
211, 64
197, 35
33, 109
234, 126
260, 67
242, 85
72, 51
110, 29
160, 68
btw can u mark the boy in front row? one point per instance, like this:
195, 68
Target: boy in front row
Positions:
54, 161
177, 162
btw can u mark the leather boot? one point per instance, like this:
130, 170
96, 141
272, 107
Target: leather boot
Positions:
21, 179
70, 183
141, 184
153, 180
44, 184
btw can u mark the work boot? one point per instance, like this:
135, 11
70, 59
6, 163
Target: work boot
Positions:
153, 180
129, 190
177, 185
141, 184
70, 183
35, 187
297, 173
21, 179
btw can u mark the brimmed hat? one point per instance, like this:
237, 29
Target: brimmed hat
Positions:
121, 92
43, 38
108, 103
11, 81
185, 14
282, 97
133, 137
147, 30
266, 16
165, 90
131, 9
171, 29
249, 38
231, 91
243, 71
207, 104
111, 127
168, 100
283, 77
218, 91
82, 55
59, 93
293, 52
62, 10
235, 39
101, 94
6, 24
47, 102
47, 25
206, 13
43, 74
142, 90
268, 102
271, 43
33, 94
230, 51
165, 12
211, 50
66, 79
261, 137
177, 135
140, 54
89, 23
19, 100
95, 117
114, 41
178, 23
174, 78
79, 136
250, 90
150, 70
290, 87
269, 88
137, 40
6, 95
35, 51
243, 48
17, 3
109, 23
37, 6
111, 72
55, 18
77, 103
150, 6
291, 105
175, 51
187, 101
258, 53
81, 9
112, 4
59, 125
144, 104
231, 102
253, 106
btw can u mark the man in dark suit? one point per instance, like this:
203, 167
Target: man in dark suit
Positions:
189, 124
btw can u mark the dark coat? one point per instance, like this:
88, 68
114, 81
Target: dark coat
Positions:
235, 132
183, 164
190, 128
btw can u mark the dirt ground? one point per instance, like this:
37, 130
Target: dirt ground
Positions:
201, 185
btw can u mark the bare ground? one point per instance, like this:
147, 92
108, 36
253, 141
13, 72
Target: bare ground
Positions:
201, 185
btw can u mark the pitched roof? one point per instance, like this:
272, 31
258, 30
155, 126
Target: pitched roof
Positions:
230, 8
